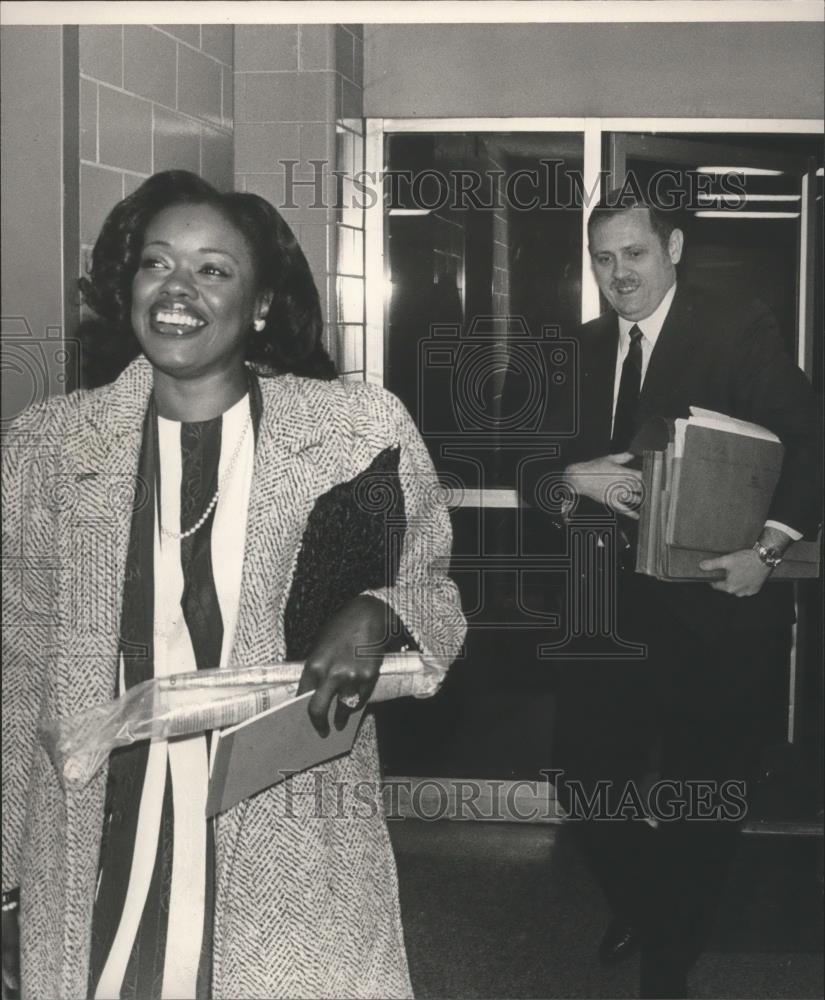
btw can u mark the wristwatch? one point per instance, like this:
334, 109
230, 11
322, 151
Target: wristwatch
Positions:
768, 554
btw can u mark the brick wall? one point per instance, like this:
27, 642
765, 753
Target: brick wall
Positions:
297, 100
137, 99
151, 98
31, 208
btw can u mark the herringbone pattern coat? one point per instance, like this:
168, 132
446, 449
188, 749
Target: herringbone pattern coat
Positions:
306, 894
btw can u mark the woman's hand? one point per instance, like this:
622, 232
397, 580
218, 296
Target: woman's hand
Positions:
339, 665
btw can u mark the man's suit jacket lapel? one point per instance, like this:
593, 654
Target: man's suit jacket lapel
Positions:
669, 362
598, 367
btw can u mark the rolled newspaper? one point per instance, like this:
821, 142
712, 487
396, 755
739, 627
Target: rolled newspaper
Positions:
182, 704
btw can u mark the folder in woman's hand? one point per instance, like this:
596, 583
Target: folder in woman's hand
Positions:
270, 747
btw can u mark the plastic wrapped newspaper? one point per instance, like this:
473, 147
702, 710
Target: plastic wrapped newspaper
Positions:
182, 704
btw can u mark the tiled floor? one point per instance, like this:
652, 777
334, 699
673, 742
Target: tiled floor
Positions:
503, 910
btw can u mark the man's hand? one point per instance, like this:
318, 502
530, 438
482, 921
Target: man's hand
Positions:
608, 481
745, 573
333, 669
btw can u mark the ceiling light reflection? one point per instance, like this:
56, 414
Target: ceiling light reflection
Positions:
747, 171
741, 199
733, 214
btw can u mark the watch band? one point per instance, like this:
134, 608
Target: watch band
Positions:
767, 554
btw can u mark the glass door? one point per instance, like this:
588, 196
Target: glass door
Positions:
483, 256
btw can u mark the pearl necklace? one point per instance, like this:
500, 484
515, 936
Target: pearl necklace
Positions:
180, 535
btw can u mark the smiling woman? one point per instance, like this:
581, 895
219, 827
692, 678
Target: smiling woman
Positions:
212, 520
194, 301
268, 258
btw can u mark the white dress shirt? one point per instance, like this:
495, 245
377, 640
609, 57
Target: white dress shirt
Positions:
651, 327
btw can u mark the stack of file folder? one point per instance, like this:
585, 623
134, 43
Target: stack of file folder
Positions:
708, 484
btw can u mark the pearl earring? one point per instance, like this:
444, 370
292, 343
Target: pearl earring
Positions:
259, 324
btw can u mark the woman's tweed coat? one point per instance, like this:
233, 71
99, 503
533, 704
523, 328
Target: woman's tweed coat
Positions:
306, 893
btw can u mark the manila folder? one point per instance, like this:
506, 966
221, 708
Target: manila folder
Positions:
271, 746
724, 491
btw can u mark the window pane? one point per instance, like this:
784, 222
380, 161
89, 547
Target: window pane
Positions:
484, 257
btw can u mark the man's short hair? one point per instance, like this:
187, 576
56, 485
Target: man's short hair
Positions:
619, 200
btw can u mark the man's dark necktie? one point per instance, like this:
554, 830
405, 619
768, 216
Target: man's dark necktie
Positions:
628, 400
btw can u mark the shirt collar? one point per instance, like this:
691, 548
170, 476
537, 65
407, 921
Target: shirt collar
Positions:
651, 326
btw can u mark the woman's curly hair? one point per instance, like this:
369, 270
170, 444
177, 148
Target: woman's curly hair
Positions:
291, 338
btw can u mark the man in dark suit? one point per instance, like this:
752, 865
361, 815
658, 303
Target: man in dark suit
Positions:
710, 691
